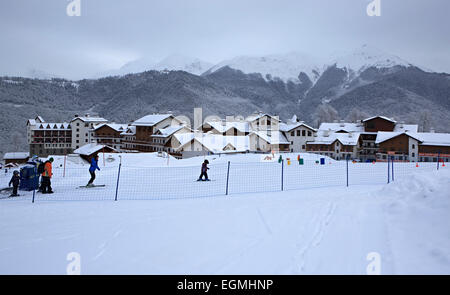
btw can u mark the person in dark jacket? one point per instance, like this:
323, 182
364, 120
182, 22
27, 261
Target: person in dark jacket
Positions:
46, 177
15, 181
204, 171
94, 166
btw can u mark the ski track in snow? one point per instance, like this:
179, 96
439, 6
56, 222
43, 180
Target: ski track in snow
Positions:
320, 226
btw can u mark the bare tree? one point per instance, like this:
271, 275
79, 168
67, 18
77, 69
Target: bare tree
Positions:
325, 113
16, 140
425, 121
356, 115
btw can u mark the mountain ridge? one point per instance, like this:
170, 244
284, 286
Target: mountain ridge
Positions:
402, 91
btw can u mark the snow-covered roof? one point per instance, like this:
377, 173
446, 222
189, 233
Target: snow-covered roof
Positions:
36, 120
131, 130
286, 127
326, 137
117, 127
275, 137
257, 116
381, 117
168, 131
18, 155
437, 139
224, 126
382, 136
214, 142
151, 120
184, 138
52, 126
90, 119
406, 128
347, 127
90, 149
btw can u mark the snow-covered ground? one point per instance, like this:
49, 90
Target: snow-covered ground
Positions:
305, 230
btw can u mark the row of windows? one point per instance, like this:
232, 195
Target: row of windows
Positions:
303, 133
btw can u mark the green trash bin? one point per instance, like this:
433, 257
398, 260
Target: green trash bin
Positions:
301, 161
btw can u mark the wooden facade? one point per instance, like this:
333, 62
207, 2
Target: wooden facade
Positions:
378, 124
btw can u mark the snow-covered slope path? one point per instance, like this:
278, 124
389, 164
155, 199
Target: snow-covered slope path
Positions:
315, 231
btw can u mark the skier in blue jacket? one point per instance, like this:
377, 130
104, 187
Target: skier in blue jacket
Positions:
204, 171
94, 166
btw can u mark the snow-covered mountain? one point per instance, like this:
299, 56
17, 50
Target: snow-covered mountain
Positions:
39, 74
136, 66
366, 57
284, 66
175, 62
178, 62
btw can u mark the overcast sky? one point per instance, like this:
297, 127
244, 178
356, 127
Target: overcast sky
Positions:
38, 34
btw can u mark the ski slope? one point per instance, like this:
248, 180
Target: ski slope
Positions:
323, 230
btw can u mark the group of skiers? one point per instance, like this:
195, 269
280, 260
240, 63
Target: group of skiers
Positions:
45, 170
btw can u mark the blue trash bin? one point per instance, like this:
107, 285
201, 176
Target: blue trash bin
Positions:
29, 179
322, 161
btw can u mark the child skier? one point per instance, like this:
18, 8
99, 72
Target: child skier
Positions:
94, 166
15, 181
204, 171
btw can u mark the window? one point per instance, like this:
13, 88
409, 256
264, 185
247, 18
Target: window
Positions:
78, 141
413, 147
413, 154
293, 133
303, 146
303, 132
298, 132
309, 133
78, 124
78, 135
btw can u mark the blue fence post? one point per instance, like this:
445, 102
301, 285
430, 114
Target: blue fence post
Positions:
392, 164
34, 190
348, 158
228, 177
439, 156
389, 168
118, 178
282, 175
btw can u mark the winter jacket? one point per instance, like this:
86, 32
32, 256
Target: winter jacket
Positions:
94, 165
15, 180
47, 169
204, 167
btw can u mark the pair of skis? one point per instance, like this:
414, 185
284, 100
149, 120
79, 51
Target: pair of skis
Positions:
92, 186
6, 191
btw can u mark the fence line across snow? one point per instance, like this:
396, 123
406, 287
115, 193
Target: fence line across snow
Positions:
124, 182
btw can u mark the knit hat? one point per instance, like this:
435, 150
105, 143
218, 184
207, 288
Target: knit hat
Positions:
50, 160
16, 172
